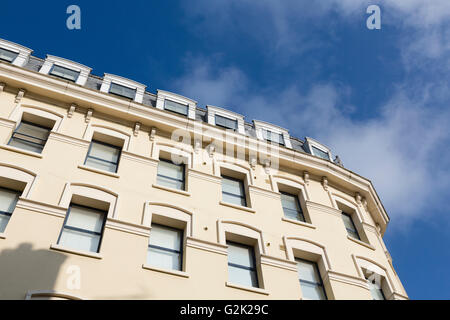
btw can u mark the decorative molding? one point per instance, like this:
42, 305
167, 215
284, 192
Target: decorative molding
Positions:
358, 198
197, 145
51, 61
7, 123
89, 114
204, 176
211, 150
167, 271
77, 252
253, 161
325, 183
23, 52
41, 207
68, 139
345, 278
278, 262
72, 110
323, 208
110, 78
50, 294
206, 245
20, 95
128, 227
266, 165
152, 134
137, 127
234, 206
138, 158
264, 192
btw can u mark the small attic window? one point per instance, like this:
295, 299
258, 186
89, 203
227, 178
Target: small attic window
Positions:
176, 107
64, 73
226, 123
320, 153
319, 150
122, 91
272, 133
7, 55
273, 137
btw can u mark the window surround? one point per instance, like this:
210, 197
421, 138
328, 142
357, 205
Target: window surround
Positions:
92, 194
310, 143
24, 53
213, 111
239, 232
16, 175
162, 96
18, 113
362, 264
170, 216
236, 171
52, 61
92, 129
35, 294
109, 78
312, 251
261, 125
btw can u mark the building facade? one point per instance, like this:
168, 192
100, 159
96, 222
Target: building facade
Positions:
109, 191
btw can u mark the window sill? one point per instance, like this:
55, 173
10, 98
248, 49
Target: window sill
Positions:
183, 193
172, 272
2, 235
251, 289
28, 153
80, 253
300, 223
106, 173
226, 204
361, 243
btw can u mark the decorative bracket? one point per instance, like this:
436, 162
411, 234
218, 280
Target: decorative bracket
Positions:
152, 134
197, 145
358, 198
267, 166
306, 177
89, 115
20, 95
71, 111
2, 86
325, 183
137, 127
253, 162
211, 150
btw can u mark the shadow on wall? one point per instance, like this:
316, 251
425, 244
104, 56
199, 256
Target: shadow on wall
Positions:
23, 269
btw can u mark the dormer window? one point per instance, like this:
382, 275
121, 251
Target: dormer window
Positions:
65, 69
65, 73
176, 103
272, 133
273, 137
123, 87
14, 53
7, 55
226, 119
122, 91
317, 149
176, 107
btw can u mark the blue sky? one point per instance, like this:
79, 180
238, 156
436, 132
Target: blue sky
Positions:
379, 98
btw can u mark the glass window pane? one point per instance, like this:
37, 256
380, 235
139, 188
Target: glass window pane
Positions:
241, 255
4, 219
26, 145
79, 240
65, 73
101, 165
242, 277
86, 219
235, 187
104, 152
7, 55
171, 170
290, 201
375, 290
237, 200
33, 131
169, 183
308, 271
165, 237
8, 200
122, 91
176, 107
312, 291
348, 222
163, 259
226, 122
321, 154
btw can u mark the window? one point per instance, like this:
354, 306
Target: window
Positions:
273, 137
291, 207
242, 265
233, 191
321, 154
83, 228
350, 226
8, 200
165, 249
30, 137
7, 55
375, 288
103, 156
65, 73
310, 280
122, 91
226, 122
170, 175
176, 107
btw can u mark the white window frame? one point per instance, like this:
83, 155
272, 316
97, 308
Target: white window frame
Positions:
24, 52
213, 111
310, 143
162, 96
110, 78
51, 61
261, 125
